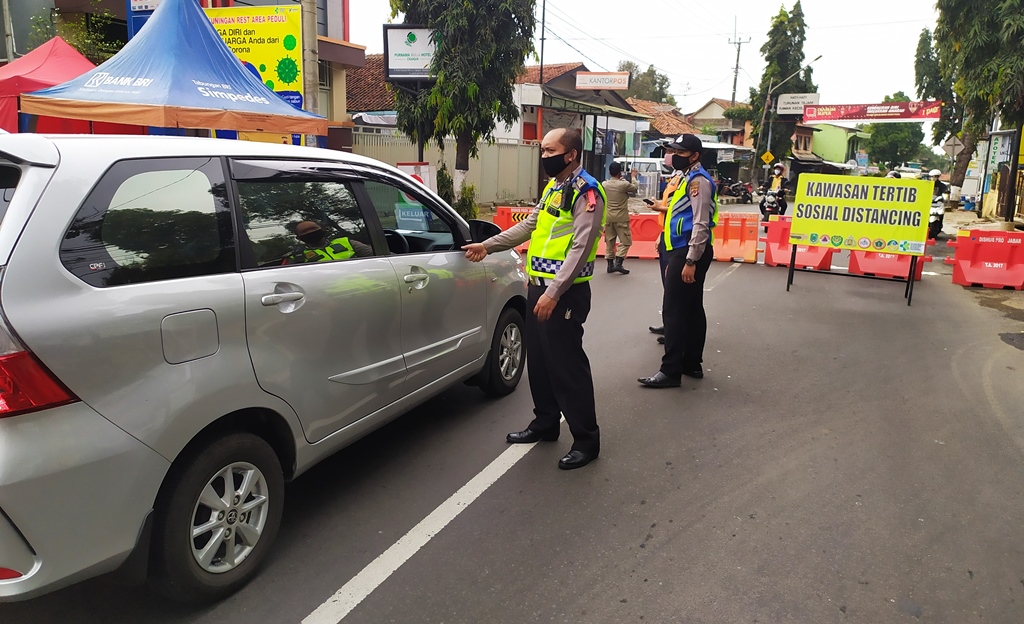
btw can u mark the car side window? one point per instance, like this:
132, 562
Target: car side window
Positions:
290, 220
411, 224
152, 219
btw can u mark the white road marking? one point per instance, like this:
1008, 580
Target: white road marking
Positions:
373, 575
721, 277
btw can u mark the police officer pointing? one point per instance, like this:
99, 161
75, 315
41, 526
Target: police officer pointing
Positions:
564, 231
688, 244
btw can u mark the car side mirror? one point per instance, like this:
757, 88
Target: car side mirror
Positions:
480, 230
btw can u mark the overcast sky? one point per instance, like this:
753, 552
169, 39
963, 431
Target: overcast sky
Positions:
867, 47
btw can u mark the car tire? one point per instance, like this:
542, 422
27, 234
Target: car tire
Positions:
199, 570
507, 358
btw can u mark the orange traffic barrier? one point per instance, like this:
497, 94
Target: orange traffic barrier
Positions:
507, 216
735, 237
778, 250
645, 226
887, 265
988, 258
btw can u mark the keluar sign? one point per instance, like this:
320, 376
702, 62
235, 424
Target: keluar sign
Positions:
882, 215
268, 41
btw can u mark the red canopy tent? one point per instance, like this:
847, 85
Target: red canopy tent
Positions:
53, 63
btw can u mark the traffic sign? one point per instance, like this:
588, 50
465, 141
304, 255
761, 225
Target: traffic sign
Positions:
952, 147
767, 157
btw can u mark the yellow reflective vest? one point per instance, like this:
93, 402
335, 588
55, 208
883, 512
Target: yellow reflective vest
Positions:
553, 237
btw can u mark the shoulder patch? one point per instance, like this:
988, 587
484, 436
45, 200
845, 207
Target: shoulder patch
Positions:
694, 189
580, 183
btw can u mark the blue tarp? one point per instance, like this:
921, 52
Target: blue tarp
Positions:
176, 73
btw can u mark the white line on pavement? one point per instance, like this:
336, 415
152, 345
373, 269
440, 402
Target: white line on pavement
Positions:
721, 277
373, 575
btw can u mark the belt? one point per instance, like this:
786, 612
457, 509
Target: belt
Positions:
539, 281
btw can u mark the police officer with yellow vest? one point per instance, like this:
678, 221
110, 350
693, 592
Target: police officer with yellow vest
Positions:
319, 249
564, 231
688, 244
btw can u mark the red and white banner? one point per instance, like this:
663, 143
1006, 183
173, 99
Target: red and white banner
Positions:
875, 113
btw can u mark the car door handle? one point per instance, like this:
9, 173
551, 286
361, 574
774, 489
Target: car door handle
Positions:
276, 298
416, 277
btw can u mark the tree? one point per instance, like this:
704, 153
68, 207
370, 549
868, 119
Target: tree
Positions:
934, 81
894, 144
982, 42
480, 49
784, 53
930, 160
88, 36
650, 85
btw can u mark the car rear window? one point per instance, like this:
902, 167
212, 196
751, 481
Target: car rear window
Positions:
152, 219
9, 177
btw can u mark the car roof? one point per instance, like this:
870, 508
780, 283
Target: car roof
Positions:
136, 146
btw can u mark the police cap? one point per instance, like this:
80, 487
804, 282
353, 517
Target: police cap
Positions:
689, 142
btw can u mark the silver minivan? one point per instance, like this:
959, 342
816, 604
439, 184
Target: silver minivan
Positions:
186, 324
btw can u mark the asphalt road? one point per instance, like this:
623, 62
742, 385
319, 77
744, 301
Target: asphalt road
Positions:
846, 459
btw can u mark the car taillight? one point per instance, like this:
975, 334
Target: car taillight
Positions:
7, 574
25, 384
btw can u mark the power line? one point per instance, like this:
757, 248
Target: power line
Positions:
557, 36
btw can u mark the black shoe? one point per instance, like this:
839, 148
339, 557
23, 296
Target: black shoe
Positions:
527, 436
659, 380
619, 268
660, 329
661, 340
696, 373
576, 459
611, 265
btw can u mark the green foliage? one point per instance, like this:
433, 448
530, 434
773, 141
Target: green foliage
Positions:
784, 54
86, 36
708, 129
465, 205
445, 185
935, 82
650, 85
930, 160
480, 49
741, 113
980, 44
894, 144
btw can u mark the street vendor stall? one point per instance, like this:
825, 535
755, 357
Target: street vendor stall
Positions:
176, 73
52, 63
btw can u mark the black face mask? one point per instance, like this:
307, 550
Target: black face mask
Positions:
313, 239
680, 163
554, 165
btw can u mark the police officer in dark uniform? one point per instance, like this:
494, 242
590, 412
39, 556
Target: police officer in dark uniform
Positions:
688, 244
564, 231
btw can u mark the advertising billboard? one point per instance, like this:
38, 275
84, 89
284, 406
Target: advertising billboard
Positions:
268, 41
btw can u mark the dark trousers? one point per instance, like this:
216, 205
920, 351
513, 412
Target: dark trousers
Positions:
662, 258
686, 324
560, 377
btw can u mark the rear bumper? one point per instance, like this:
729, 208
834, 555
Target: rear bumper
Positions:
74, 494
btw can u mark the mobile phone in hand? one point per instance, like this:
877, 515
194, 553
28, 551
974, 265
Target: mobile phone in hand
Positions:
648, 202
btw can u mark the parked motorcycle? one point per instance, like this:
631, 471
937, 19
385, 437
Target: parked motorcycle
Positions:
743, 190
936, 215
726, 187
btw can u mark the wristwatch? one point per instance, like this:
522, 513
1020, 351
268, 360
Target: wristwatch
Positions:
690, 262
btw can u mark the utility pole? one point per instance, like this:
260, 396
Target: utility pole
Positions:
736, 70
543, 15
310, 63
8, 31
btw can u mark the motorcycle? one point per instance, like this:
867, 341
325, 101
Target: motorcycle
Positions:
743, 190
936, 215
726, 187
770, 205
